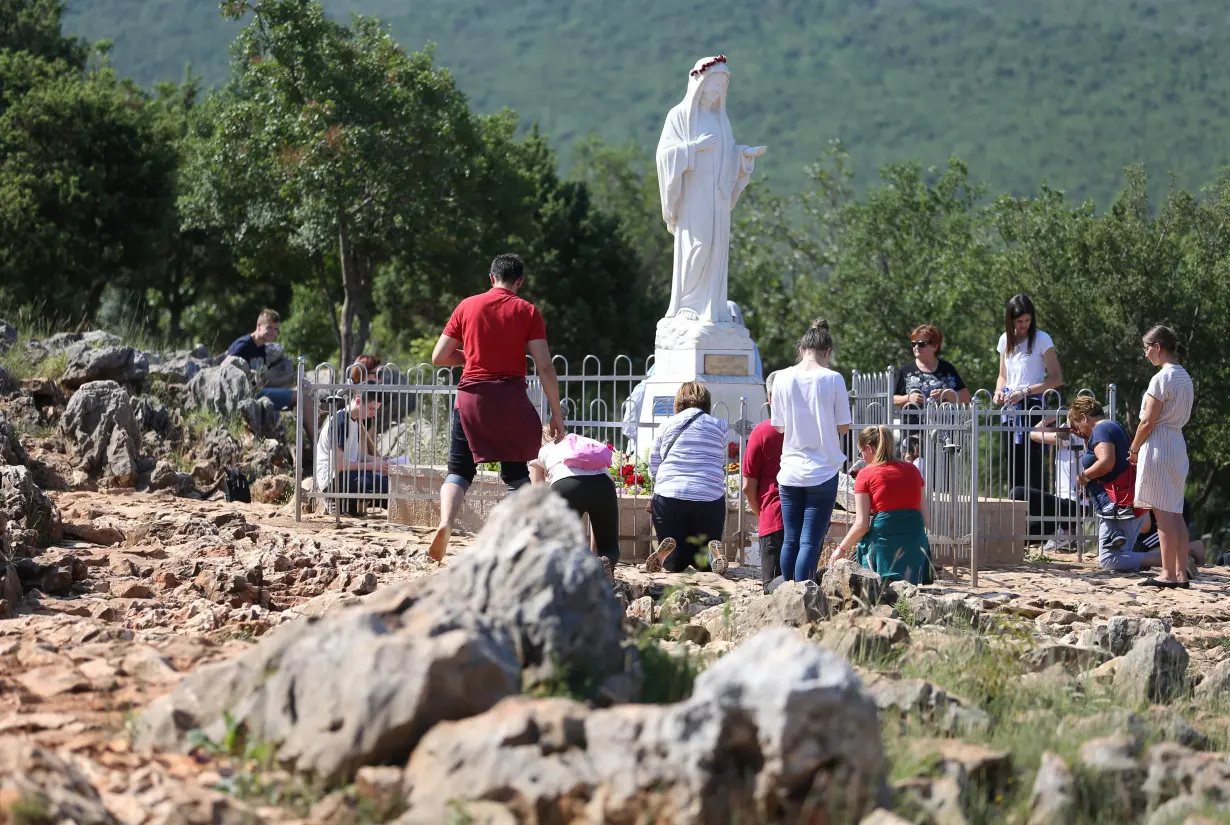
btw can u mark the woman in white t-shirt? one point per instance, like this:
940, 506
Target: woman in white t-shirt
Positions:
1028, 367
811, 408
588, 491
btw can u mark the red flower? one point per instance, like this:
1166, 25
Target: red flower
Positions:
732, 450
640, 479
610, 446
627, 471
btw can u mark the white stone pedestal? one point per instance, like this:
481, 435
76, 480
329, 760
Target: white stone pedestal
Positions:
719, 355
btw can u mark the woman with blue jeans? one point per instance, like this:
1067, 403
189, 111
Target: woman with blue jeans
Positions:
811, 408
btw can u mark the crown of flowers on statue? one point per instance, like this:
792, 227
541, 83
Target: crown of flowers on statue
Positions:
721, 58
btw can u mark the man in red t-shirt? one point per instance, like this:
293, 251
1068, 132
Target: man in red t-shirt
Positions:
761, 461
494, 419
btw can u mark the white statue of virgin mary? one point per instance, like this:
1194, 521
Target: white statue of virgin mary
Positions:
701, 173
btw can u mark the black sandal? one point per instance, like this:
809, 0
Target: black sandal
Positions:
1162, 585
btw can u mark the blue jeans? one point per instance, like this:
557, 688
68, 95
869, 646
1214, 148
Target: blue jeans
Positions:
806, 513
282, 397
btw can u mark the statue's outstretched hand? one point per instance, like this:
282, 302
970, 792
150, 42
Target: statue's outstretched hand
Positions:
755, 151
705, 142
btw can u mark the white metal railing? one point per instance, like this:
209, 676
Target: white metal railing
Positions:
996, 478
992, 486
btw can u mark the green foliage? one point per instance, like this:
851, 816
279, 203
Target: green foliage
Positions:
667, 678
34, 26
30, 810
310, 327
1070, 92
1028, 715
84, 183
566, 681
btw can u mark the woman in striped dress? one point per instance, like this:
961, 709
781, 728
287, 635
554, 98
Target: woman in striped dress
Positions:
1160, 453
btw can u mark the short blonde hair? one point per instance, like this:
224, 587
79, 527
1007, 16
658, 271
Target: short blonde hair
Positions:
880, 439
269, 316
1083, 407
693, 394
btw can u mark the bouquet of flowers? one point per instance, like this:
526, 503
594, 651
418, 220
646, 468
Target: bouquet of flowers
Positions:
631, 474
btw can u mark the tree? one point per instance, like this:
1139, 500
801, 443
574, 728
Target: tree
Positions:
194, 265
623, 182
34, 26
915, 251
84, 184
783, 253
332, 139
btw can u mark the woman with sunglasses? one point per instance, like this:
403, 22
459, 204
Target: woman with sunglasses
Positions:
930, 378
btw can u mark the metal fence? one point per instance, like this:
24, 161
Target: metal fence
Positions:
996, 479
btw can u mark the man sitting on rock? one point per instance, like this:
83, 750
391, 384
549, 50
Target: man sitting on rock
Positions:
251, 348
494, 419
345, 465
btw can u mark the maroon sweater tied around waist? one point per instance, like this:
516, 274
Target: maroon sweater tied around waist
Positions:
499, 420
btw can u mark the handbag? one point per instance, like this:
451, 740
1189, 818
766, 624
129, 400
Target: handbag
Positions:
237, 486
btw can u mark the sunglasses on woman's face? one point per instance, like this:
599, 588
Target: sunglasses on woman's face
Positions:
919, 344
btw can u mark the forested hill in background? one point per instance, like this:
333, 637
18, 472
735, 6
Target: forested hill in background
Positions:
1067, 90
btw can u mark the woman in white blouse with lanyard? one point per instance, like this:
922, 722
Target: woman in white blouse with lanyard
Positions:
1028, 367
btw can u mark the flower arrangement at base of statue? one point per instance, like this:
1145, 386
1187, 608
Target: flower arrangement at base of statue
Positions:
631, 474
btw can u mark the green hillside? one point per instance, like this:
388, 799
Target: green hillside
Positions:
1067, 90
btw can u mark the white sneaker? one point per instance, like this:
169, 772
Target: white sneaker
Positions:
717, 558
1058, 544
653, 564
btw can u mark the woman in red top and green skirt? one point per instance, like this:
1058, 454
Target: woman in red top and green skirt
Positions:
890, 520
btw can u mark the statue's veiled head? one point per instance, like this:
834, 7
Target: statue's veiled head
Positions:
713, 88
710, 78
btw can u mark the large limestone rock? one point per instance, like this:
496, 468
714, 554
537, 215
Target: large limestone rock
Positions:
1216, 683
864, 637
779, 730
32, 519
11, 451
262, 418
526, 603
10, 583
917, 697
220, 389
1053, 798
8, 335
219, 448
151, 416
124, 365
279, 370
1154, 670
102, 432
848, 584
38, 786
1123, 631
179, 367
792, 604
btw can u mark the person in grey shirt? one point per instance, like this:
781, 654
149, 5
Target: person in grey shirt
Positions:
688, 465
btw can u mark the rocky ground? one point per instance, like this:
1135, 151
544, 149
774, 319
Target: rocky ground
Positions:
168, 657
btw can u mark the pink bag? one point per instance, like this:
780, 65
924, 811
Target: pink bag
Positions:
583, 453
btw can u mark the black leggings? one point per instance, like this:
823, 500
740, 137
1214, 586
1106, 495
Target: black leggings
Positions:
461, 466
1027, 459
692, 524
595, 496
1045, 510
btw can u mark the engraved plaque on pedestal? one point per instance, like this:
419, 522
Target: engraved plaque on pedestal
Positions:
726, 365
